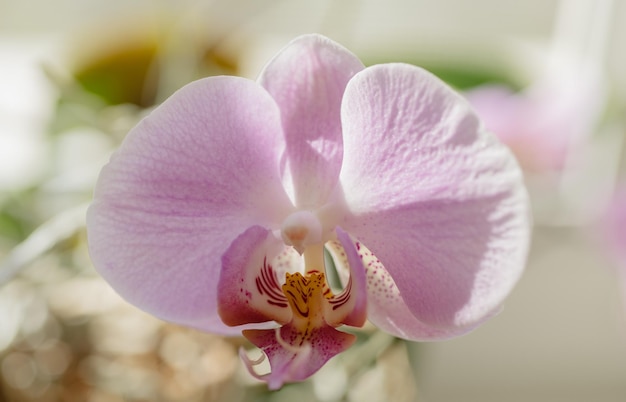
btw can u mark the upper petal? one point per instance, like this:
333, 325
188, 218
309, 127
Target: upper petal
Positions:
439, 201
185, 183
307, 79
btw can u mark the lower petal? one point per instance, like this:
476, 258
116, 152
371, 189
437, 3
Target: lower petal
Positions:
388, 311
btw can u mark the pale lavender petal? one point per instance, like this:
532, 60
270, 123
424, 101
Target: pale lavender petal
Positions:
386, 308
191, 177
307, 79
249, 289
388, 311
439, 201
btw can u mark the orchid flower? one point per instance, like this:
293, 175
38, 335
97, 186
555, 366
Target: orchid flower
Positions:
219, 208
612, 228
545, 122
614, 223
552, 119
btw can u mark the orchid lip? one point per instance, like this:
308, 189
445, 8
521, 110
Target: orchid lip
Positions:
315, 314
262, 284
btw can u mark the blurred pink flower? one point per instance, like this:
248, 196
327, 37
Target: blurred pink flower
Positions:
546, 121
217, 209
614, 226
616, 223
613, 235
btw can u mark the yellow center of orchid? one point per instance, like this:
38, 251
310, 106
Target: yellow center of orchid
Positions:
306, 296
308, 293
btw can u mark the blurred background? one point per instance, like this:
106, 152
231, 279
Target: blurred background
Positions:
546, 76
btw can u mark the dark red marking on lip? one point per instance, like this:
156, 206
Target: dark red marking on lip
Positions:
267, 284
277, 304
302, 313
343, 298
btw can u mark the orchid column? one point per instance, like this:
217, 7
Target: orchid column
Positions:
217, 209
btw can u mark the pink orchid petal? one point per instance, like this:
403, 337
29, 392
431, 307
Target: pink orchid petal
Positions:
350, 306
185, 183
438, 200
307, 79
249, 289
388, 311
291, 361
386, 308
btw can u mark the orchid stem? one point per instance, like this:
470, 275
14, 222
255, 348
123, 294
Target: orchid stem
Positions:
41, 240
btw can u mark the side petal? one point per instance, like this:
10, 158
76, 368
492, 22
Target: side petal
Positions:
307, 79
438, 200
290, 360
249, 290
192, 176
